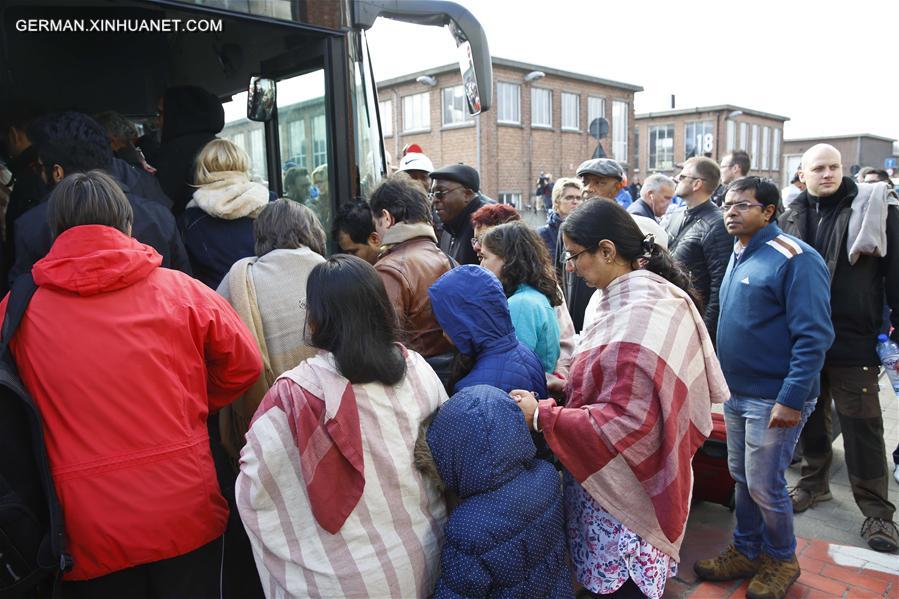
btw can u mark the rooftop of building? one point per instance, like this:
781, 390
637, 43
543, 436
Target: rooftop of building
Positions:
514, 64
717, 108
835, 137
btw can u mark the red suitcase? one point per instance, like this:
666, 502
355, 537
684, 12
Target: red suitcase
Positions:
711, 479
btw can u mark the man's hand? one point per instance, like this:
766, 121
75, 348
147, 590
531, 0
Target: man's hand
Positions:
784, 417
527, 403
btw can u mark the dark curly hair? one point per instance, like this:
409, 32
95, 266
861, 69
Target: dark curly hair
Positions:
526, 260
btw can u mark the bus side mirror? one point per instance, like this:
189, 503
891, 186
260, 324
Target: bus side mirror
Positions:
261, 96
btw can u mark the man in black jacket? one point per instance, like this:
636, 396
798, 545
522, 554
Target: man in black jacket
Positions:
71, 142
822, 216
696, 234
455, 194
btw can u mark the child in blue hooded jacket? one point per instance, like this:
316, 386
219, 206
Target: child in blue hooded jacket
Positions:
507, 536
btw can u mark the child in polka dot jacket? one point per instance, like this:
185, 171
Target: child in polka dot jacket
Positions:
506, 538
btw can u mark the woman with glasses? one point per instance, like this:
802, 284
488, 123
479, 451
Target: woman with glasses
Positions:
516, 255
328, 490
567, 195
642, 382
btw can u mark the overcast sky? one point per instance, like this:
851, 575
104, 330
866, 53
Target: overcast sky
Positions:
797, 58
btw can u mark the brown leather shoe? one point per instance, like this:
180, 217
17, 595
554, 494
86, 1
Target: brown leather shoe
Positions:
802, 499
730, 565
774, 578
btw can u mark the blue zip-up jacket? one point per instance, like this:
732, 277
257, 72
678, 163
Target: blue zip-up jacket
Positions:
471, 307
507, 537
774, 327
535, 324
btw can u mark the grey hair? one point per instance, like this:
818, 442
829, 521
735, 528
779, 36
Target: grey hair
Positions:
656, 182
288, 225
91, 198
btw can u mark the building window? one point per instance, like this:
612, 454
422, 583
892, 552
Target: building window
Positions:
257, 154
754, 162
775, 150
417, 112
699, 138
731, 136
541, 107
508, 103
619, 130
319, 141
661, 148
455, 107
766, 147
386, 110
513, 199
571, 113
296, 132
744, 136
596, 109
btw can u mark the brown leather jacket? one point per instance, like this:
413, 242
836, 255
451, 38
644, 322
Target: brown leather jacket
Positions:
408, 267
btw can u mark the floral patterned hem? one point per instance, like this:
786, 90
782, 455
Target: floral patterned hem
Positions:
605, 553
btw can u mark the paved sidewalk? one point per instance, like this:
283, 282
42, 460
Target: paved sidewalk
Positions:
835, 560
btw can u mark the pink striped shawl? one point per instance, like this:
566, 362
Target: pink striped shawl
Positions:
639, 399
328, 491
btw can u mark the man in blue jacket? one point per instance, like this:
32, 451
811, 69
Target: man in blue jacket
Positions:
773, 331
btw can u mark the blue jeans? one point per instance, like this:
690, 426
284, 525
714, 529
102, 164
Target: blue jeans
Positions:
757, 457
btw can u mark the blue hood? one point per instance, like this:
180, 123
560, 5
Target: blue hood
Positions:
480, 441
470, 306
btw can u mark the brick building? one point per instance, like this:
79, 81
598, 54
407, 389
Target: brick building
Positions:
666, 139
540, 122
857, 150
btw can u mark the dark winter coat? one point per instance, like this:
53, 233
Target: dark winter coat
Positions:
214, 244
641, 208
856, 291
470, 305
153, 225
507, 537
192, 118
577, 292
139, 181
698, 240
550, 231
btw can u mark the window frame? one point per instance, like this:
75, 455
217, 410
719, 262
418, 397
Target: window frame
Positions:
577, 111
385, 109
467, 119
652, 139
426, 126
708, 126
620, 127
549, 108
500, 99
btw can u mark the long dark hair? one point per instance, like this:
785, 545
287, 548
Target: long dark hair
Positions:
348, 314
595, 220
525, 260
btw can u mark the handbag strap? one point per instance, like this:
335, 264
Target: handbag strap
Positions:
23, 289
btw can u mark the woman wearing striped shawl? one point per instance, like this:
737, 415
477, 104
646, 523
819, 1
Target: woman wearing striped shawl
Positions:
328, 490
638, 401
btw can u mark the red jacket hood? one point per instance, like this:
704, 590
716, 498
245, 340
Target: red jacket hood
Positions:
94, 259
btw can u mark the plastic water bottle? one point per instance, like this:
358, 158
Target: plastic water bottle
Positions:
889, 356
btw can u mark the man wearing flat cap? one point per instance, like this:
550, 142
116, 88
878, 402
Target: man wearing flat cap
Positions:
454, 192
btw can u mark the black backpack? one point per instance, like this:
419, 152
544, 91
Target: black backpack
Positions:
32, 534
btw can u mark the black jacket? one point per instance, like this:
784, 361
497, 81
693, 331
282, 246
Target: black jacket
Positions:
576, 291
192, 118
455, 239
139, 182
698, 240
856, 291
153, 225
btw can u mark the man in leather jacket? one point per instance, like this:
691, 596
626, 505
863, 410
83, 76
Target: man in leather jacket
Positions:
696, 234
822, 216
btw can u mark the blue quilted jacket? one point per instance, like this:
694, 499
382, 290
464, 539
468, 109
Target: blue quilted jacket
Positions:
471, 307
507, 536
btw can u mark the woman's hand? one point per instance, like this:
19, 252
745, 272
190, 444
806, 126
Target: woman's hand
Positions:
527, 403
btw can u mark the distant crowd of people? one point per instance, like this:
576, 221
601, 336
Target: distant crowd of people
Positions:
455, 403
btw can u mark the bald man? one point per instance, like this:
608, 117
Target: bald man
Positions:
821, 217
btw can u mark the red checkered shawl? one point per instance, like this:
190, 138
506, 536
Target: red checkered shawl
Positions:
639, 395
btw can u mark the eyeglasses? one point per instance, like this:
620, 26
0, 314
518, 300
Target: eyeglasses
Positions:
682, 176
740, 206
475, 243
568, 256
442, 193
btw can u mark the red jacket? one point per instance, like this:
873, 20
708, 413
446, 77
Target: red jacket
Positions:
126, 360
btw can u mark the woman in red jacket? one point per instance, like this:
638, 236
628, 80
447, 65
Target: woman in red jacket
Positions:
125, 361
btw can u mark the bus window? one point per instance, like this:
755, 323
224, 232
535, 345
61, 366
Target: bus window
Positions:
303, 134
249, 135
368, 133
